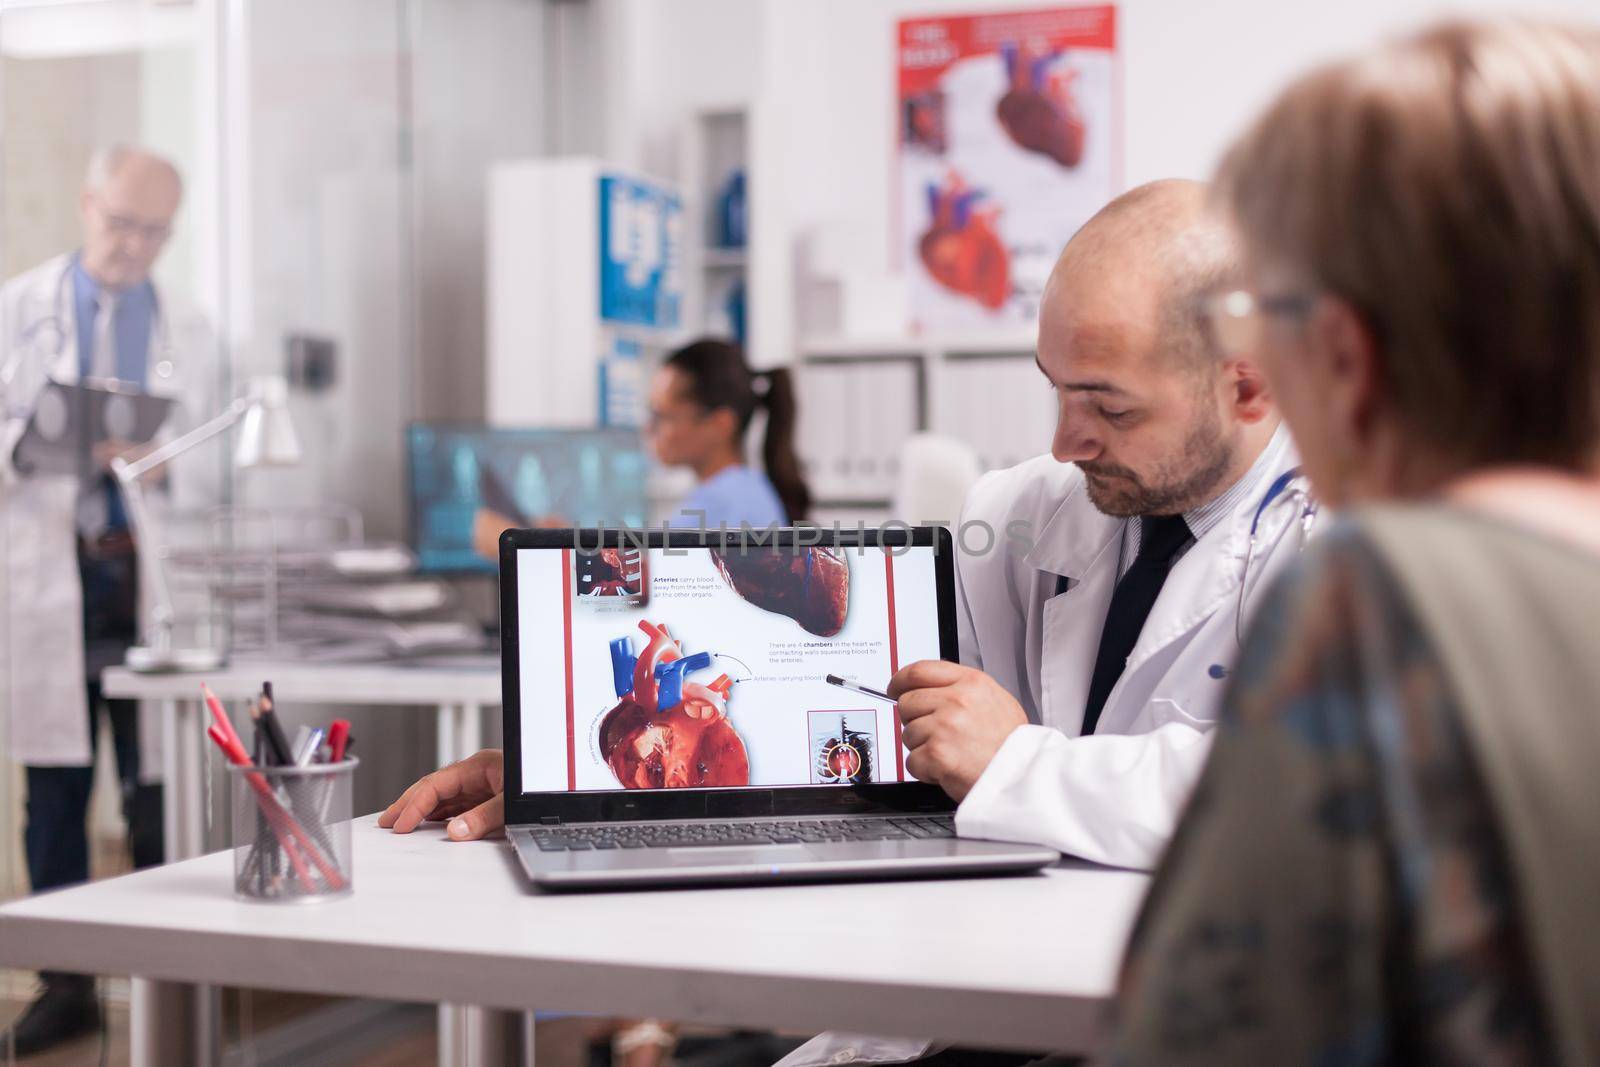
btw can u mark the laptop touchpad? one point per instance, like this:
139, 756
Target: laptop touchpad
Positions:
721, 856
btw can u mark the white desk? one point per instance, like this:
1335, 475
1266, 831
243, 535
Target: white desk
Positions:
459, 696
1021, 962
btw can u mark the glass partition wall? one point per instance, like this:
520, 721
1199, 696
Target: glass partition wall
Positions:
330, 235
288, 257
76, 81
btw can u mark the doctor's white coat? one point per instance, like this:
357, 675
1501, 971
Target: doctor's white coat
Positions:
1115, 796
41, 630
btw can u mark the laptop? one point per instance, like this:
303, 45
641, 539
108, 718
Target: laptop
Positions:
669, 718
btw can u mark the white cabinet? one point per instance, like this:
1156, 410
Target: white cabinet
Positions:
585, 275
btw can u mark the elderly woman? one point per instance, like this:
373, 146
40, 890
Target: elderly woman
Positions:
1393, 855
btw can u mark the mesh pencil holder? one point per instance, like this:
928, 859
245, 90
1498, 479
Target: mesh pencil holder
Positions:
291, 831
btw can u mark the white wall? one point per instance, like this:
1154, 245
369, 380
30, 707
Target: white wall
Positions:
1194, 74
479, 97
665, 61
324, 242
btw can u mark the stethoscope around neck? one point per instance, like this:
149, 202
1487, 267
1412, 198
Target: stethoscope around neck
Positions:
1288, 490
48, 336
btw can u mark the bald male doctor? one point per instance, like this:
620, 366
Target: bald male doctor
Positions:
1096, 637
1098, 630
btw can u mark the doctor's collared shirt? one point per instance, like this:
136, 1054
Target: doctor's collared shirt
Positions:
133, 320
99, 505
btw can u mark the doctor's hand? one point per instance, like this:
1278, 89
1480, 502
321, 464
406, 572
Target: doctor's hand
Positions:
487, 526
955, 719
470, 794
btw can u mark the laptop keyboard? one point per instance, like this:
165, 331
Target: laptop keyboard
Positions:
717, 834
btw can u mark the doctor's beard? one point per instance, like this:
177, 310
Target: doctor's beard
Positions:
1191, 478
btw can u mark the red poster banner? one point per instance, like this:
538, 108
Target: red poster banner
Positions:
1010, 137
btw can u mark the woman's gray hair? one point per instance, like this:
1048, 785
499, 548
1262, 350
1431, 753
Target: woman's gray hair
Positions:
1447, 186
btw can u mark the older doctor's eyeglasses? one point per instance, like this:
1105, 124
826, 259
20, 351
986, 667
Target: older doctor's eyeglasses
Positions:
128, 226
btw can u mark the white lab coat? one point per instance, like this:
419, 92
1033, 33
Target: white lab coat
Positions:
1115, 796
41, 635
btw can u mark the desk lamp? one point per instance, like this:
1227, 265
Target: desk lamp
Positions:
267, 439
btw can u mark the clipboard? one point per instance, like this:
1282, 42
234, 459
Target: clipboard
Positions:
69, 420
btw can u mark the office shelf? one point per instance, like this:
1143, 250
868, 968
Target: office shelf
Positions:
862, 397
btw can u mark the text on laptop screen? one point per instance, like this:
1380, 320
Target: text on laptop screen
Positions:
703, 668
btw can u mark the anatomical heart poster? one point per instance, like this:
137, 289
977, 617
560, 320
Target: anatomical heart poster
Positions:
1009, 139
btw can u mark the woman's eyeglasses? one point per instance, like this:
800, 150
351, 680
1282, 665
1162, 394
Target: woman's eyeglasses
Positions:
1236, 318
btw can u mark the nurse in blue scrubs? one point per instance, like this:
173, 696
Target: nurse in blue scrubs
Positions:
702, 402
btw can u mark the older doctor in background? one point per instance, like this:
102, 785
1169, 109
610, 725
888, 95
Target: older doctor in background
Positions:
70, 590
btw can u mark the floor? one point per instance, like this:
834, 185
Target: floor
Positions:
561, 1042
405, 1040
81, 1053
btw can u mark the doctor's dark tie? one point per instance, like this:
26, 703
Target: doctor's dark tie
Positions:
1161, 537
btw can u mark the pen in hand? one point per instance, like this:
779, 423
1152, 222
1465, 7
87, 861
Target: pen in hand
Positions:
856, 687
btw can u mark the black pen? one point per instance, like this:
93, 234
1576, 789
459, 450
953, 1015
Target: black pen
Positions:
275, 739
857, 687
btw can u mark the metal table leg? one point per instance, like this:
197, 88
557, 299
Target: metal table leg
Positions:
447, 748
172, 799
469, 729
484, 1037
163, 1023
191, 757
183, 772
173, 1022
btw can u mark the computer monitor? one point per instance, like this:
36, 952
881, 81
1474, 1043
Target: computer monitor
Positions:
530, 476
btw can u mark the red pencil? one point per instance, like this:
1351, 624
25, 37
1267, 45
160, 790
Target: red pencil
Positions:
338, 734
220, 716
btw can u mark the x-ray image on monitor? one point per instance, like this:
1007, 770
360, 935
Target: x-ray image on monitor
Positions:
460, 473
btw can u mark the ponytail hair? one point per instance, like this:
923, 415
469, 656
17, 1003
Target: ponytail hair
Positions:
777, 449
716, 376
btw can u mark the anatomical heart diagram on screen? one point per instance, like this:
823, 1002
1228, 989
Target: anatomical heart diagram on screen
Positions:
811, 585
669, 730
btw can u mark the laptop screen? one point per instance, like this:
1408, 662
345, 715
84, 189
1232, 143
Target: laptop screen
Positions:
703, 668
